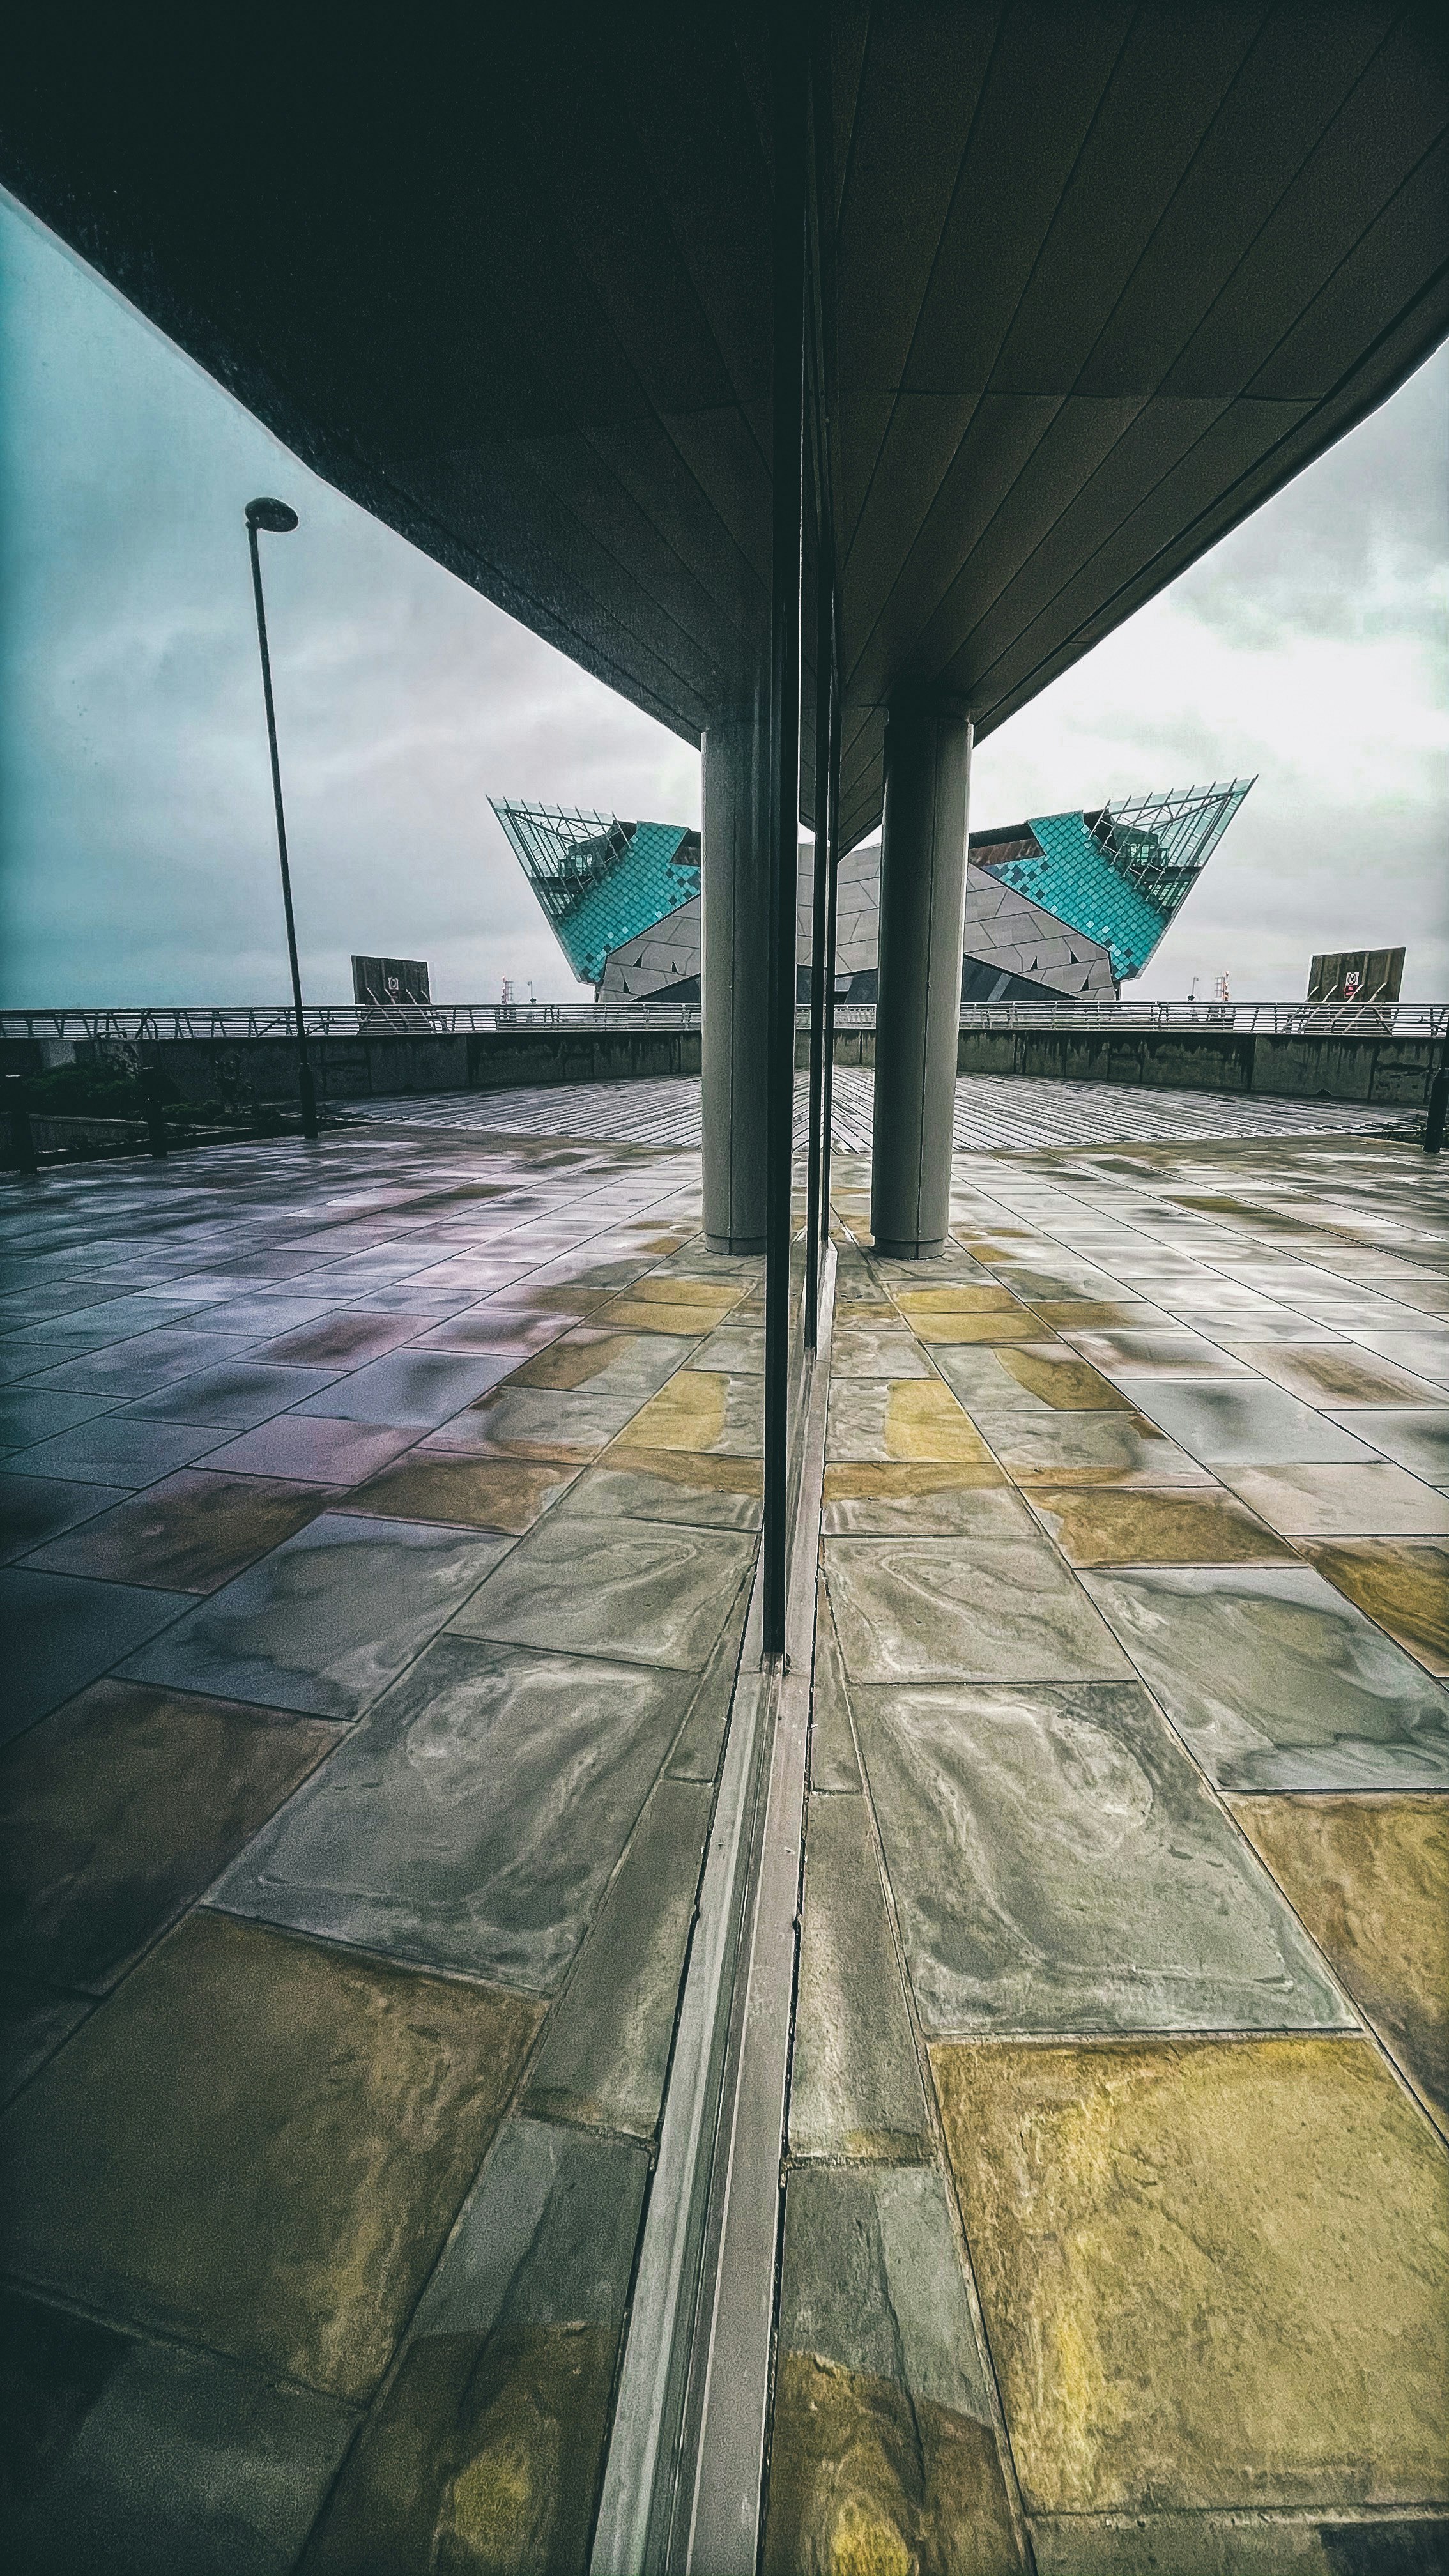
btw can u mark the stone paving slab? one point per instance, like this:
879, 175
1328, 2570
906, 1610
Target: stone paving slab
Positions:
122, 1810
1151, 1917
1276, 1681
324, 2114
1369, 1875
327, 1620
473, 1819
1253, 2231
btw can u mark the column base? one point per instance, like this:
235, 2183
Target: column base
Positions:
909, 1251
735, 1243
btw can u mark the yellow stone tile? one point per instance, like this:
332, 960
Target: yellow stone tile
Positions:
653, 1315
476, 1493
689, 1413
924, 1421
1011, 1323
1066, 1383
1369, 1875
1155, 1526
259, 2143
1403, 1583
670, 1291
568, 1364
692, 1470
957, 1301
860, 1480
867, 2481
1214, 2273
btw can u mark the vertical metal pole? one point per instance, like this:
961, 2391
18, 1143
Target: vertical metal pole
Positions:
1438, 1104
832, 850
821, 958
305, 1087
787, 456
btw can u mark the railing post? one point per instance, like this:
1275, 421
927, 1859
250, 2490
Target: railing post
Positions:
22, 1140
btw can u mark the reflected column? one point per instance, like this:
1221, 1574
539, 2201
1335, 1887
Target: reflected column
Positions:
918, 1007
734, 978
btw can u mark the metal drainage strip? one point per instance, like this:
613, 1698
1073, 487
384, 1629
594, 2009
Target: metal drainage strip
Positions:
683, 2478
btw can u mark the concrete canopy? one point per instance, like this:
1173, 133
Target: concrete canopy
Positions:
1108, 277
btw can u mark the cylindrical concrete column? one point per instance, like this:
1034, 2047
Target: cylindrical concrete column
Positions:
918, 1005
734, 979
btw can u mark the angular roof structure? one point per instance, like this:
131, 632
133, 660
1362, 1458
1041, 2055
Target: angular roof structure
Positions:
1118, 875
601, 882
1067, 904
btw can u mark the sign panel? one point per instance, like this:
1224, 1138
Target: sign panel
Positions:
1357, 975
391, 983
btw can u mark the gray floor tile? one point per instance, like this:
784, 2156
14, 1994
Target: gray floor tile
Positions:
61, 1631
929, 1609
474, 1819
606, 2046
36, 1508
833, 1765
536, 1422
922, 1503
1087, 1448
672, 1485
597, 1362
30, 1413
413, 1389
1059, 1866
1420, 1348
124, 1370
343, 1338
327, 1620
869, 1351
235, 1397
117, 1449
1161, 1354
650, 1592
1276, 1681
260, 1318
700, 1742
311, 1449
736, 1349
135, 2454
1369, 1500
855, 2083
1416, 1437
1246, 1423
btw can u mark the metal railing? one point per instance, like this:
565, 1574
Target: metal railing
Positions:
455, 1019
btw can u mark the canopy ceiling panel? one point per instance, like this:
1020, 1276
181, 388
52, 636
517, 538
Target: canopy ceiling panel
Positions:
1108, 277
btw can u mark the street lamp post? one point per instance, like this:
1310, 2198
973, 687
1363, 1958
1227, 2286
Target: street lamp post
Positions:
279, 521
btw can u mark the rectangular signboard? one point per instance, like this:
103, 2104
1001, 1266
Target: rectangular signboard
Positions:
1357, 975
390, 982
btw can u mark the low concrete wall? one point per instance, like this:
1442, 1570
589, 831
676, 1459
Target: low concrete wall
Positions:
1394, 1071
383, 1067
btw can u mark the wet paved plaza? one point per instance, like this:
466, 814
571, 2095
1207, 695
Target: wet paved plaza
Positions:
379, 1526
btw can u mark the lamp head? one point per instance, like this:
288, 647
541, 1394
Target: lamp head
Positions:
274, 516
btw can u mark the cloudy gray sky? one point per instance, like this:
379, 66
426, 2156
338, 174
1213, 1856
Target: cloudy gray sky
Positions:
135, 808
